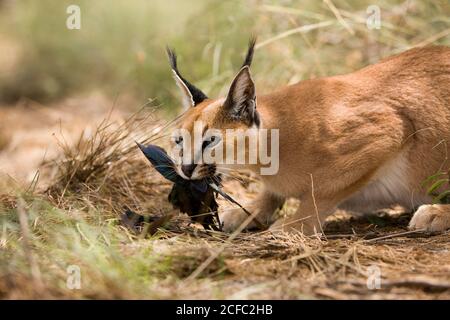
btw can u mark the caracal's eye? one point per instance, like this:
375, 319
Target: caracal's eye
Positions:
178, 140
210, 141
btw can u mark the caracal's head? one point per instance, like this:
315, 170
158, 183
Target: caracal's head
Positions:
208, 138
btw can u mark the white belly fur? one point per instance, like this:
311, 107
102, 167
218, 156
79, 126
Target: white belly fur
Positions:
390, 186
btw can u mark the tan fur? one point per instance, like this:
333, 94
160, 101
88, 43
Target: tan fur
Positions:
363, 140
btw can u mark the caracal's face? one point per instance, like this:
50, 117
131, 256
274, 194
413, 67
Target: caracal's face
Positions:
204, 144
208, 137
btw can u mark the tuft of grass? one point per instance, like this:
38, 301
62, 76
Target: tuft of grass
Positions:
106, 168
437, 186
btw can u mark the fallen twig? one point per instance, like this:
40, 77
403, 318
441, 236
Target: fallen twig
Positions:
397, 234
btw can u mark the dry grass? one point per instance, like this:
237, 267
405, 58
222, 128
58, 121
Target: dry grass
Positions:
103, 168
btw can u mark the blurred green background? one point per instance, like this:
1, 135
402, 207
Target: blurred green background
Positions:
120, 46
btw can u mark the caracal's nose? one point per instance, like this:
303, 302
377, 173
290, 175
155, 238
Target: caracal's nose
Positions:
188, 169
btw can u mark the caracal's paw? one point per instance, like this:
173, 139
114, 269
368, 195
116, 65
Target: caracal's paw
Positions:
291, 225
431, 218
232, 219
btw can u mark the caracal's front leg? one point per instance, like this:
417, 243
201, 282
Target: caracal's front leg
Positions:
309, 217
263, 206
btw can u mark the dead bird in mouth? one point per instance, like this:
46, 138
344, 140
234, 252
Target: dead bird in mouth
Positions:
197, 198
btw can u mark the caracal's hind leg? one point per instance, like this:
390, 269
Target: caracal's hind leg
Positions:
431, 217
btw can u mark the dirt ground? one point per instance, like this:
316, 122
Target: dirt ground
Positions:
346, 263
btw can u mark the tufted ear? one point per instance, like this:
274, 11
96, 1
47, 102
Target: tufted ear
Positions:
191, 95
240, 103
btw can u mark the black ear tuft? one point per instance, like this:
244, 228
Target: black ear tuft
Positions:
197, 95
172, 58
251, 49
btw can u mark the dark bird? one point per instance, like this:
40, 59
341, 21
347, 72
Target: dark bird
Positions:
197, 198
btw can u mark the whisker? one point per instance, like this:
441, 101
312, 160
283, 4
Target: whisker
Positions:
233, 177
